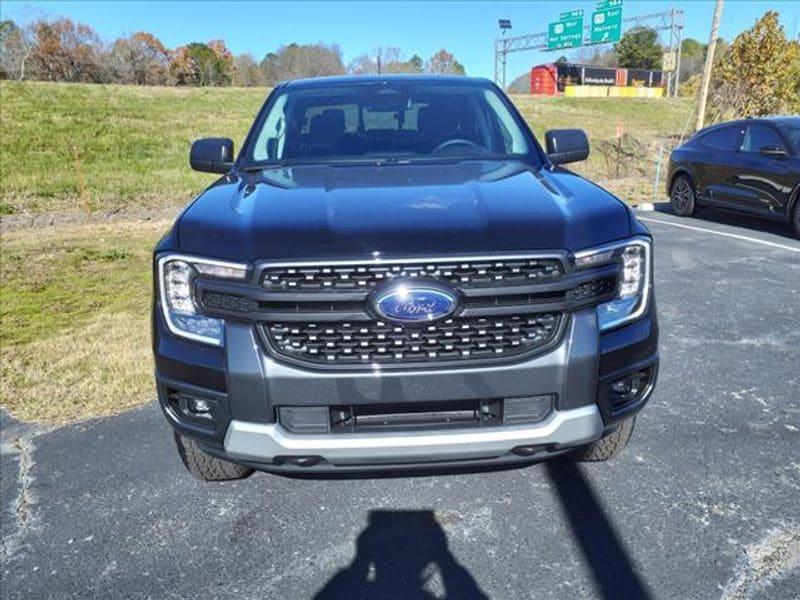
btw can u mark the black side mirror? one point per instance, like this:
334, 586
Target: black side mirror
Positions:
566, 145
212, 155
772, 151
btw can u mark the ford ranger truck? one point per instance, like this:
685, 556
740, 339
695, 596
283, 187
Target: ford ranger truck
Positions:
392, 274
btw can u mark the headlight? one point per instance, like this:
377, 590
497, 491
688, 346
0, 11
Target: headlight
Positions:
176, 275
633, 292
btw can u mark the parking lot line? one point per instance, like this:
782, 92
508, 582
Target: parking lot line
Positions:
723, 234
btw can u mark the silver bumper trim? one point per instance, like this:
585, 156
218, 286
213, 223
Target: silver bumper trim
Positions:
263, 442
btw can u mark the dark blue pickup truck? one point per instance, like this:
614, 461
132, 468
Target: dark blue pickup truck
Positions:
393, 274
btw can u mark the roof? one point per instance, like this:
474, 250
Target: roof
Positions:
386, 78
778, 119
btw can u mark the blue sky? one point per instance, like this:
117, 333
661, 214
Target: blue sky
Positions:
465, 28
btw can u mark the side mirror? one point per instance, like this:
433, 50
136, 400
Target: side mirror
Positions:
212, 155
566, 145
772, 151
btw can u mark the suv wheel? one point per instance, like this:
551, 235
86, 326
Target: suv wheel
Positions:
206, 467
607, 447
682, 196
796, 217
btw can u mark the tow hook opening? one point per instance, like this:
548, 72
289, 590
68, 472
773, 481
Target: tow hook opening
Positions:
298, 461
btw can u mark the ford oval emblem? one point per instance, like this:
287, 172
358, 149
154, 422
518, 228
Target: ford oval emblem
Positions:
415, 302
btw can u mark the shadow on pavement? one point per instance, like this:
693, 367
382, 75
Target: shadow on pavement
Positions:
733, 219
402, 554
603, 551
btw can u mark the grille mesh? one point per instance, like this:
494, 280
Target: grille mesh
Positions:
455, 339
485, 273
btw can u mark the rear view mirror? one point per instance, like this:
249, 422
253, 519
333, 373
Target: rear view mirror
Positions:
566, 145
212, 155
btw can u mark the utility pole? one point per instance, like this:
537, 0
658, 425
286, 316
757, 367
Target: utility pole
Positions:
712, 46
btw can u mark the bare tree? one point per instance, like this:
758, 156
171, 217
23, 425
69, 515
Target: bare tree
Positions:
16, 46
385, 60
296, 61
246, 72
141, 59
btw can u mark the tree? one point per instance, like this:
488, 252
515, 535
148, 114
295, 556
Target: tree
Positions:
444, 63
140, 59
520, 84
16, 46
202, 64
639, 49
297, 61
246, 71
385, 60
760, 73
596, 57
66, 51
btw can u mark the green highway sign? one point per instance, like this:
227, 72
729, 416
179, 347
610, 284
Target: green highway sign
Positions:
567, 33
606, 25
604, 4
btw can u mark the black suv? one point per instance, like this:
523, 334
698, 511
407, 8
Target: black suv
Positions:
751, 166
392, 274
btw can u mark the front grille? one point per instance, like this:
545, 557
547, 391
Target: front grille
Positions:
375, 342
323, 315
462, 274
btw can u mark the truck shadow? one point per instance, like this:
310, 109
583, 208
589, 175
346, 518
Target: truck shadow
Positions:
405, 554
402, 554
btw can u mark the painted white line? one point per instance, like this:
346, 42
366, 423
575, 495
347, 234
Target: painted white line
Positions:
723, 234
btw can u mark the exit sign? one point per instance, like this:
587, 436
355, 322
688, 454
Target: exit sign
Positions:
566, 33
606, 25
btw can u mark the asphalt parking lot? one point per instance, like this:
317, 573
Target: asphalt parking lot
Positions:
704, 503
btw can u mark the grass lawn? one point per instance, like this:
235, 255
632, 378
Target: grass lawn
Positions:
86, 147
75, 335
92, 147
74, 300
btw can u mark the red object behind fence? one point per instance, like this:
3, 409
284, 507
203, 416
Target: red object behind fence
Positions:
544, 80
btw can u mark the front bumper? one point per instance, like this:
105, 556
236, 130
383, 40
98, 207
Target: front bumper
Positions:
268, 442
248, 385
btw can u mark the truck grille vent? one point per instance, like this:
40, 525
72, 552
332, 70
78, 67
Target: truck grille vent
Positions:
485, 273
458, 339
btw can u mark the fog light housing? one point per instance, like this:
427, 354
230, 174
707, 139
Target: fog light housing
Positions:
191, 407
628, 390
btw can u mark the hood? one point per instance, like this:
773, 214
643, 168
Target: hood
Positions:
354, 211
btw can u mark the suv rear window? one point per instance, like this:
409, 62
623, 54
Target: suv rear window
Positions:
726, 138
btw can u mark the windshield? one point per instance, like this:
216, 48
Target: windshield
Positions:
390, 121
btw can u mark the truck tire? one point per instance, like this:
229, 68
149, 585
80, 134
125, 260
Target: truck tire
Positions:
796, 217
682, 196
205, 467
607, 447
